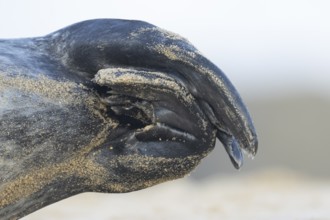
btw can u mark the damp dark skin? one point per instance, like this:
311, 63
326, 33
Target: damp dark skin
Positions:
109, 106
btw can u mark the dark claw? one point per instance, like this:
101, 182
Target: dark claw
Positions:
233, 149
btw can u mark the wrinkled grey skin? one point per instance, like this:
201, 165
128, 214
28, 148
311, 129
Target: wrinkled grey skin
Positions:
109, 106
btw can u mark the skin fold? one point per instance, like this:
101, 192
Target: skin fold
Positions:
109, 106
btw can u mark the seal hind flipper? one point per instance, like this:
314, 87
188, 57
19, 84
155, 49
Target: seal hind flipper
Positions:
144, 107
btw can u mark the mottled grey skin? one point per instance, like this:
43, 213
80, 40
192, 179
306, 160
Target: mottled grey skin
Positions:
109, 106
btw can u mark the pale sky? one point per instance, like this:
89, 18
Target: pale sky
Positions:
264, 46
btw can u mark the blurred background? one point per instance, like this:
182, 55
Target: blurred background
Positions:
276, 53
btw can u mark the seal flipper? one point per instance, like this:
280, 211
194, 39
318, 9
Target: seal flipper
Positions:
160, 102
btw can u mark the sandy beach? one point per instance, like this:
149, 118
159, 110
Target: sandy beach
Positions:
264, 195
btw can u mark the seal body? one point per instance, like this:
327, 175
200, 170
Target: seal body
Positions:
109, 106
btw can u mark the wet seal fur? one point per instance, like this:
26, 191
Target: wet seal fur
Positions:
109, 106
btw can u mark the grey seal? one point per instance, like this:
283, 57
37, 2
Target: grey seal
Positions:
112, 106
